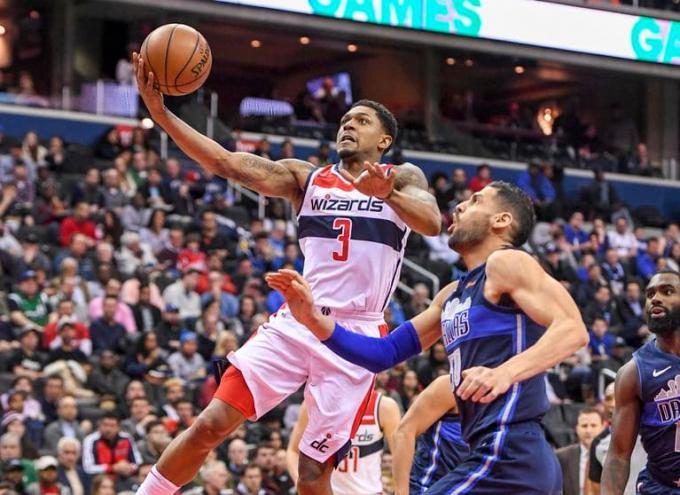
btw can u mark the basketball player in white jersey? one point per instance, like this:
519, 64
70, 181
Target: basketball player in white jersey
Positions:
360, 472
354, 220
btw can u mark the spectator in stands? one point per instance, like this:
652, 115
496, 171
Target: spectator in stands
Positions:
70, 473
110, 450
251, 482
103, 484
147, 315
25, 188
31, 256
237, 457
27, 360
646, 262
29, 306
614, 271
212, 239
32, 408
155, 235
78, 252
187, 364
53, 391
192, 257
228, 303
482, 179
418, 302
182, 294
601, 341
114, 197
141, 415
599, 197
577, 238
33, 153
170, 328
10, 450
107, 378
558, 267
66, 346
215, 478
539, 188
630, 307
147, 361
48, 482
622, 240
154, 442
287, 150
602, 306
66, 425
123, 313
79, 223
110, 146
106, 332
133, 254
168, 256
574, 458
57, 158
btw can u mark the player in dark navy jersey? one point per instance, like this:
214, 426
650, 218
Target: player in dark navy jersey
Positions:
504, 324
648, 399
433, 419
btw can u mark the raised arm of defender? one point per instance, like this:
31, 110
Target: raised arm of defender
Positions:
285, 178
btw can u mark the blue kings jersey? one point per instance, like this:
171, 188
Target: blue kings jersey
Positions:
353, 244
659, 375
438, 451
477, 332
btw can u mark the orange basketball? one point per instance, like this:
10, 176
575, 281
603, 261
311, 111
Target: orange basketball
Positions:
179, 57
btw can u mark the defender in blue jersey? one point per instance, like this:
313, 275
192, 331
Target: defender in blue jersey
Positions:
504, 324
433, 419
648, 399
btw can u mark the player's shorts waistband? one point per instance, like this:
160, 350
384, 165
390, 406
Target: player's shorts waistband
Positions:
342, 314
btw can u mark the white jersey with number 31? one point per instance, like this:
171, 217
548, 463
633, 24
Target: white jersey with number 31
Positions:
353, 244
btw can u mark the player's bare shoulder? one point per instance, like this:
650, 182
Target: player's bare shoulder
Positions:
628, 379
409, 174
508, 267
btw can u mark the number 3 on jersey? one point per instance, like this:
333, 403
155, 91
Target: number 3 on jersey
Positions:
344, 225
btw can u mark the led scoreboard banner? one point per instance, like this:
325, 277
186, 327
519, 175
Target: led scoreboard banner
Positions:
527, 22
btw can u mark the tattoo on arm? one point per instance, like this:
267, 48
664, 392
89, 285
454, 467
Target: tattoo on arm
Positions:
410, 175
253, 169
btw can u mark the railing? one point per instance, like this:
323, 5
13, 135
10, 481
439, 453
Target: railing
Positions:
425, 273
604, 373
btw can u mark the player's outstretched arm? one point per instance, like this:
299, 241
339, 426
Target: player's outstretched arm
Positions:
546, 302
432, 403
374, 354
293, 450
625, 424
284, 179
405, 189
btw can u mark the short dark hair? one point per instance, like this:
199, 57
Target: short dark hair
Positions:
252, 466
668, 271
521, 207
110, 415
592, 410
387, 119
152, 424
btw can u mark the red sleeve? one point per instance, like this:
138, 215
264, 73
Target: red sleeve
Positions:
67, 229
475, 185
49, 334
90, 230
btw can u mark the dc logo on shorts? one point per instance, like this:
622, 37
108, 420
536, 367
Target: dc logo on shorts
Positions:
321, 446
325, 310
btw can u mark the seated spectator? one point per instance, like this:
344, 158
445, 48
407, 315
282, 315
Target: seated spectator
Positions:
154, 442
111, 451
78, 223
32, 409
482, 179
603, 306
155, 235
12, 456
66, 426
114, 196
168, 257
27, 360
182, 294
107, 378
25, 188
110, 146
147, 315
141, 414
78, 252
631, 313
192, 257
228, 303
156, 192
622, 240
557, 267
418, 302
133, 254
168, 331
148, 361
89, 191
214, 238
215, 478
251, 482
53, 391
70, 472
32, 152
51, 334
106, 332
539, 189
57, 157
187, 363
29, 306
237, 455
599, 197
614, 271
645, 263
123, 314
103, 484
601, 341
577, 238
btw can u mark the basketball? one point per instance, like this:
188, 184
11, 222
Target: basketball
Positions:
179, 57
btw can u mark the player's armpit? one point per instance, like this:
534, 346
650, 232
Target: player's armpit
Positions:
413, 202
625, 425
542, 299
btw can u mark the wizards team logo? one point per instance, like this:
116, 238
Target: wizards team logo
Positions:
668, 401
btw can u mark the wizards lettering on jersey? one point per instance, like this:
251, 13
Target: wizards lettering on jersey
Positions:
455, 320
668, 401
335, 204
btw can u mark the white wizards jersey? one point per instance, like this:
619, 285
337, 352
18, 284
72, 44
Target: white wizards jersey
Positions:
353, 244
360, 472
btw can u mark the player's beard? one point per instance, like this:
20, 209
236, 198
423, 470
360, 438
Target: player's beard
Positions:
668, 324
346, 154
462, 239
